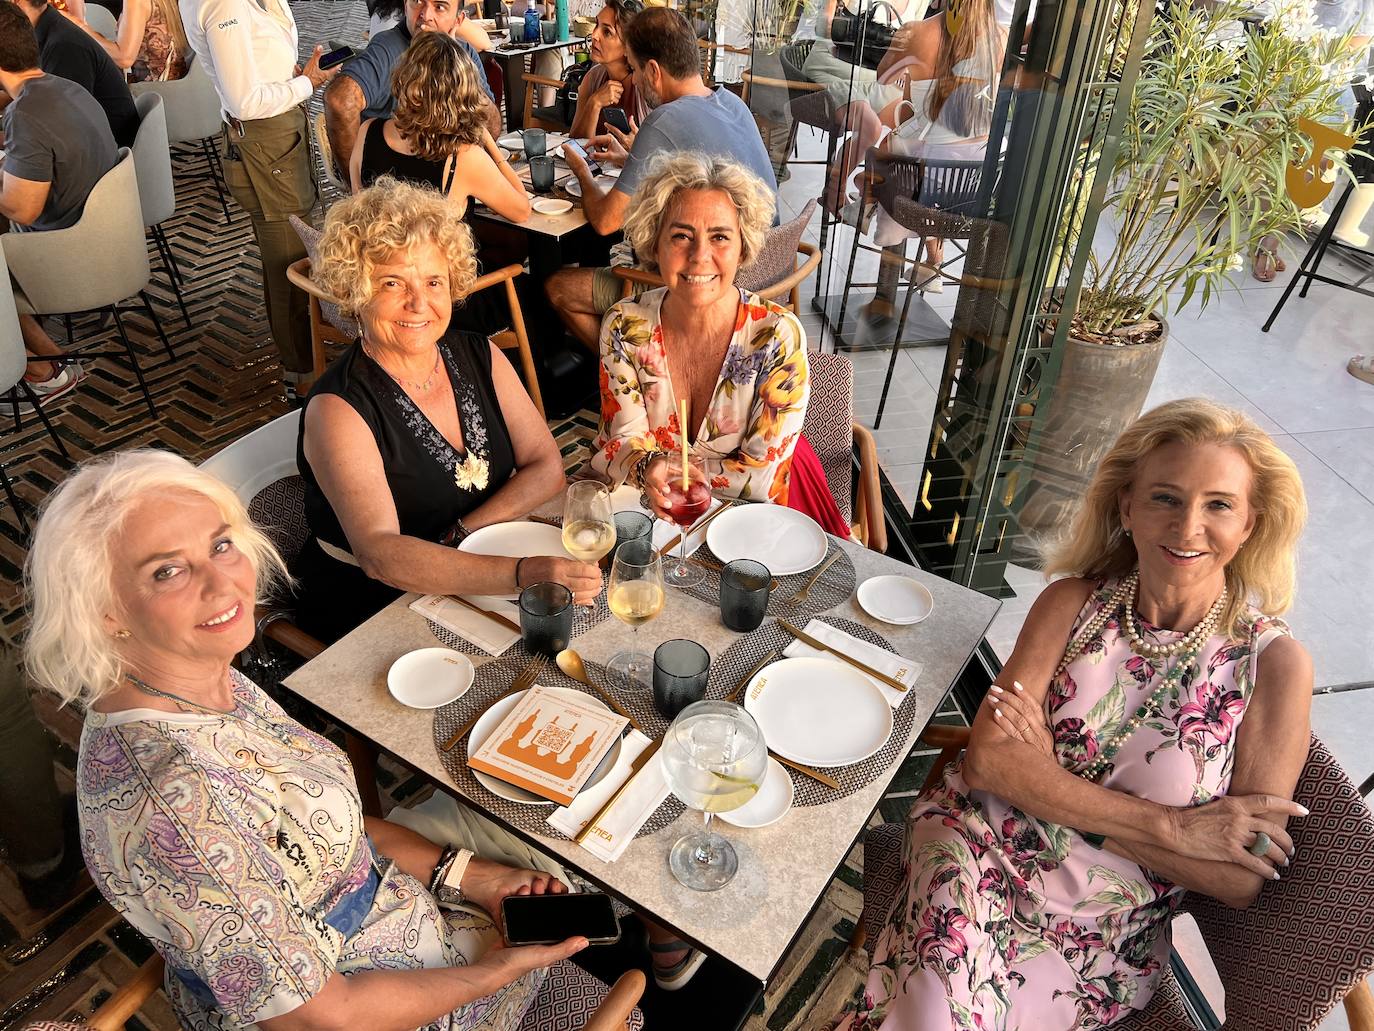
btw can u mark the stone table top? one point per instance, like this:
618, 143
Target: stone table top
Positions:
784, 868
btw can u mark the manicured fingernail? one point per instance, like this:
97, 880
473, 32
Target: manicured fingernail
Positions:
1017, 684
1292, 852
1276, 875
1305, 811
998, 712
994, 687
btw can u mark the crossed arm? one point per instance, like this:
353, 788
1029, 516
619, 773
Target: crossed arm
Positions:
1203, 848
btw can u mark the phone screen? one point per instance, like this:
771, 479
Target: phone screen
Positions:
616, 116
548, 919
338, 56
592, 166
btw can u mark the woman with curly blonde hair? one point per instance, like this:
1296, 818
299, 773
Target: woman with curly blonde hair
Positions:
737, 360
420, 432
1143, 741
436, 135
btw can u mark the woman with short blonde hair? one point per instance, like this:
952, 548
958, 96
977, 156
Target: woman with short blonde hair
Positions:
1142, 741
225, 832
420, 432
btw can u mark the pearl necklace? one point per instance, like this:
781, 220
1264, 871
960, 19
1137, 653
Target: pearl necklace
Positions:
1190, 641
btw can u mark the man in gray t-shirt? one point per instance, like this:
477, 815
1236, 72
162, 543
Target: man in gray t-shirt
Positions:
686, 115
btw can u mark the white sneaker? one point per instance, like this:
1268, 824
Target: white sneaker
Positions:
62, 382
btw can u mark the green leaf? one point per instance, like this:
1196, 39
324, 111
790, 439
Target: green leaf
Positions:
1109, 712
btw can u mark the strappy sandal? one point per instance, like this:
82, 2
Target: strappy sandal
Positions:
1361, 367
670, 979
1266, 263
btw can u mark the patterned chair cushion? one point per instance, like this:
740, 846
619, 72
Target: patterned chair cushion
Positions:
567, 1001
777, 259
279, 509
1316, 916
310, 236
829, 424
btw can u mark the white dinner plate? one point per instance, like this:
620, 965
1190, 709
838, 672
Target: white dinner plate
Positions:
515, 540
771, 803
516, 141
551, 206
429, 677
895, 599
572, 186
818, 712
783, 539
493, 716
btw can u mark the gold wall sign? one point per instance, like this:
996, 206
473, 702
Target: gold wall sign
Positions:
1304, 181
954, 16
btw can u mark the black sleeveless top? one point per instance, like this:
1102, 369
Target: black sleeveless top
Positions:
420, 466
379, 160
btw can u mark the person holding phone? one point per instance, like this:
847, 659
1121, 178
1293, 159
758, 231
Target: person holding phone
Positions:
249, 51
610, 85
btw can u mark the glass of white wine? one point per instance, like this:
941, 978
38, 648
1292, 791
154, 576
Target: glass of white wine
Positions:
714, 759
635, 596
588, 523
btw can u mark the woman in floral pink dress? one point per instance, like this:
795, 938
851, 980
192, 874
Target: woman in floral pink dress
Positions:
1142, 741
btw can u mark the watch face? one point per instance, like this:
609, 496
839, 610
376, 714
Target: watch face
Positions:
449, 896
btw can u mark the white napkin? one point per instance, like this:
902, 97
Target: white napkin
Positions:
618, 827
881, 659
487, 634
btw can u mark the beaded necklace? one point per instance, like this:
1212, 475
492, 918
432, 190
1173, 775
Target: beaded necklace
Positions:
1186, 649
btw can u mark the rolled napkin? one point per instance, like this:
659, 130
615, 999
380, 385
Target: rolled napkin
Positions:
884, 661
487, 634
617, 828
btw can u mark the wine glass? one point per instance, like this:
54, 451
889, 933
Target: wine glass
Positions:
714, 759
588, 523
635, 596
689, 496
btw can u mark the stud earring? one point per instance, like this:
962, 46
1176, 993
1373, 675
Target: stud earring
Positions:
1127, 532
122, 634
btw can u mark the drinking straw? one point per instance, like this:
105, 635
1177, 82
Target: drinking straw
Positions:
682, 427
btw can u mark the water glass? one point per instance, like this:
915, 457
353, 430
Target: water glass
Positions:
632, 526
541, 173
546, 614
745, 586
549, 30
681, 669
536, 143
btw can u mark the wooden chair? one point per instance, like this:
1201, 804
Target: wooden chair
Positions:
615, 1013
1317, 916
326, 330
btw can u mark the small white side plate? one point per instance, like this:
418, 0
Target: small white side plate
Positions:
552, 206
895, 599
488, 722
429, 677
771, 803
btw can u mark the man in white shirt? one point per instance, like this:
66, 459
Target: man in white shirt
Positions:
249, 50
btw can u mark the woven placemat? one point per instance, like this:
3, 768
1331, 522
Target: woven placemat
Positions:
584, 618
494, 679
740, 658
835, 586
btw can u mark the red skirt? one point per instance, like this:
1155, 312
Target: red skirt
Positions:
808, 491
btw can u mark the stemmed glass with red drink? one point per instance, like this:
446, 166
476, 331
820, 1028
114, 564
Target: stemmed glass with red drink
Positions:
685, 506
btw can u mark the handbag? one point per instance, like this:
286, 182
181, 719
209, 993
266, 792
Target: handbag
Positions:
565, 102
861, 38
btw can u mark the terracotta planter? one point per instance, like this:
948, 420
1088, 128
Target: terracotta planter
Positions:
1100, 391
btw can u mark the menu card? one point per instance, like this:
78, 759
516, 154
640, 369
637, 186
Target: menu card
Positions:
549, 743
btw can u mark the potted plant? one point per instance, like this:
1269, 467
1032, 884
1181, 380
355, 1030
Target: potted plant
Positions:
1197, 182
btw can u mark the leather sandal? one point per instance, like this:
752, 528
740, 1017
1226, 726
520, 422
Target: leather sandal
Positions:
1361, 367
1266, 264
670, 979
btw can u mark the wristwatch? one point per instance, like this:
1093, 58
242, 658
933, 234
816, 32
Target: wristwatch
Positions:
449, 892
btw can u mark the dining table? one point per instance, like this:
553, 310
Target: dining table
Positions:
785, 868
515, 59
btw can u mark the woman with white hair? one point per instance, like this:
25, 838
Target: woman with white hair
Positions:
228, 834
737, 360
1143, 741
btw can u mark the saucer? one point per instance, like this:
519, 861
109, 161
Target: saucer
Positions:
429, 677
895, 599
771, 803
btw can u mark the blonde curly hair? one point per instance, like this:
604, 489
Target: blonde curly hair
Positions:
1263, 572
439, 104
388, 217
669, 174
70, 567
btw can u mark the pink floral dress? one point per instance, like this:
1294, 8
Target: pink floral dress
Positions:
1011, 923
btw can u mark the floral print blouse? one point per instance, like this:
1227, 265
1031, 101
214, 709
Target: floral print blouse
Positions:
746, 438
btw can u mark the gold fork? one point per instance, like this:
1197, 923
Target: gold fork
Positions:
523, 682
805, 592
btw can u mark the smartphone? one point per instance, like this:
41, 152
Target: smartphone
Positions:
592, 165
616, 116
336, 56
549, 919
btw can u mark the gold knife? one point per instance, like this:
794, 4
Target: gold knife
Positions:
666, 550
807, 639
643, 757
816, 775
509, 624
816, 576
744, 681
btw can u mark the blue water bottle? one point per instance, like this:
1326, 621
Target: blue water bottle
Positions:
532, 24
561, 7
